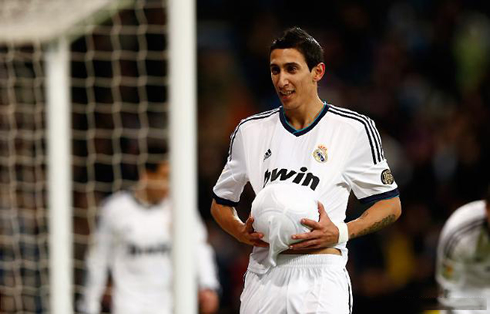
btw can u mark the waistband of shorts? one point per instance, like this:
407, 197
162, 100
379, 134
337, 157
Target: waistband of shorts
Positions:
312, 260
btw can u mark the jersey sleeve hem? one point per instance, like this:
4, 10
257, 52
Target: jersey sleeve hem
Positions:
223, 201
378, 197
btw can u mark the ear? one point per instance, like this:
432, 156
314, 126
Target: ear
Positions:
318, 72
143, 176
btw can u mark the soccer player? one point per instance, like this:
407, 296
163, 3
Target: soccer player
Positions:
308, 142
133, 242
463, 259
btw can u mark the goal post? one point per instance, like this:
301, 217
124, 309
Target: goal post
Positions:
183, 148
60, 179
83, 96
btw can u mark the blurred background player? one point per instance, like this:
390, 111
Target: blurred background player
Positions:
463, 259
133, 243
306, 142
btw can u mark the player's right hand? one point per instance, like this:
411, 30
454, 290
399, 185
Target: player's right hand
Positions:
248, 235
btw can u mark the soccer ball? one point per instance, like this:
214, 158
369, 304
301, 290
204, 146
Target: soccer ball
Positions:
278, 209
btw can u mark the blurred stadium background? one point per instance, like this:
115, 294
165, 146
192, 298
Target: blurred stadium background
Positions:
420, 69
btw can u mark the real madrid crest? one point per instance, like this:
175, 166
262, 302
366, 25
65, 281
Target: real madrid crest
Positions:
320, 154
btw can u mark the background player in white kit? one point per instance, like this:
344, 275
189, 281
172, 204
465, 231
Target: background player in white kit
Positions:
133, 242
314, 144
463, 259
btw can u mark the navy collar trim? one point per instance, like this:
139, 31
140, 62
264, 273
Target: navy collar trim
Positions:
305, 130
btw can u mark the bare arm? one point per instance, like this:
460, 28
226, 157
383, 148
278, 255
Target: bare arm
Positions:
208, 301
227, 218
376, 217
325, 234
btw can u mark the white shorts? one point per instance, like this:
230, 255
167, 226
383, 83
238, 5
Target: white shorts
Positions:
299, 284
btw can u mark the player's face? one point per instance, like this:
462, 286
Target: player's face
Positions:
157, 183
295, 84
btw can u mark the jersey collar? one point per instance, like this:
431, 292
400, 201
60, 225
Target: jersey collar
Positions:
306, 129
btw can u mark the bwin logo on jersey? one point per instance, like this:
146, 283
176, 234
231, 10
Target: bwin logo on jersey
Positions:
302, 177
135, 250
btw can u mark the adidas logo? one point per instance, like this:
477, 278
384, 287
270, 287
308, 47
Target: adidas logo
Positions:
267, 154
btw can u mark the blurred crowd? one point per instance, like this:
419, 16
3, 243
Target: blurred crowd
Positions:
419, 69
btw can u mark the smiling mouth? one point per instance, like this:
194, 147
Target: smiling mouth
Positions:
286, 93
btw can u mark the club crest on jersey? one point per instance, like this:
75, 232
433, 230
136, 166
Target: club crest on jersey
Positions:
387, 177
320, 154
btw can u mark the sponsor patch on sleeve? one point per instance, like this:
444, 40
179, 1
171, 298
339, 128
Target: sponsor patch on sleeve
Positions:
387, 177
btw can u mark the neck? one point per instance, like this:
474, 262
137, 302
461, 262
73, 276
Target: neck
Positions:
303, 116
141, 195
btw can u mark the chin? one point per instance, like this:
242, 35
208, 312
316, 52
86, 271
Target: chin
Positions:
289, 106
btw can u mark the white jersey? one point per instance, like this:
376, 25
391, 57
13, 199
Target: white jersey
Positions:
134, 242
340, 151
463, 257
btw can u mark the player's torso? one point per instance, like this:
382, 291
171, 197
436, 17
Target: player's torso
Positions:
142, 243
478, 264
315, 159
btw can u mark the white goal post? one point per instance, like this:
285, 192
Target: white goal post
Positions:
60, 180
183, 148
38, 36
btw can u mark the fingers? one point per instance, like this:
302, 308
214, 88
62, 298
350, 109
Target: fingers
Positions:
252, 237
255, 236
305, 236
310, 223
260, 243
321, 209
322, 219
322, 212
255, 239
308, 240
249, 224
308, 244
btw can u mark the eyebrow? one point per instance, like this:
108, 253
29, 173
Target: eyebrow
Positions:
285, 65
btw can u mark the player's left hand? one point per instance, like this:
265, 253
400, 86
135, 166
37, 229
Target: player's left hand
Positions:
324, 233
208, 301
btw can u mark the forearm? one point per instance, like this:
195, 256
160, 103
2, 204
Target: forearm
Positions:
227, 218
95, 282
378, 216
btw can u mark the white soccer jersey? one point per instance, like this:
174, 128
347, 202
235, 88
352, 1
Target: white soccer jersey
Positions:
340, 151
133, 241
463, 258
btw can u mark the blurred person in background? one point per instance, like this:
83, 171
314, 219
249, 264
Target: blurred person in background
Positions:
463, 259
134, 242
326, 148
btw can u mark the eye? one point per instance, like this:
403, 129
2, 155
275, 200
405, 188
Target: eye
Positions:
292, 68
275, 70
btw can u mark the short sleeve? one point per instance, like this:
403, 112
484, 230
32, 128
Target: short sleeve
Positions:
234, 176
367, 169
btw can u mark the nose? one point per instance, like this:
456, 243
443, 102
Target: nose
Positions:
282, 80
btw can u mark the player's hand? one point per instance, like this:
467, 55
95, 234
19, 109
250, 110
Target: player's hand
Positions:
208, 301
249, 236
324, 233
